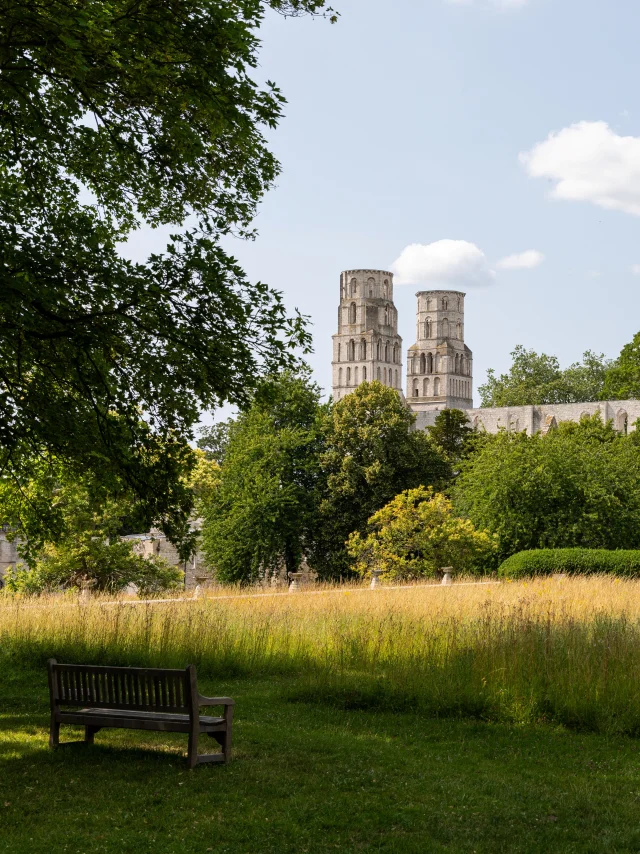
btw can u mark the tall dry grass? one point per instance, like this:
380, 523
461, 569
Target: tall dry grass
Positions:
561, 650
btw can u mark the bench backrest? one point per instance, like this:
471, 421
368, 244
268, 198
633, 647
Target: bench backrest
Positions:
135, 688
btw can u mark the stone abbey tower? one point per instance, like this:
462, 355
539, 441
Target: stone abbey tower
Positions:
367, 345
439, 364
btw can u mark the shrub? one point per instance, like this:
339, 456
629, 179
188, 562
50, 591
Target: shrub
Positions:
414, 535
624, 562
110, 567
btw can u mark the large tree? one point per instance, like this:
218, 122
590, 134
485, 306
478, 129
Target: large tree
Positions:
371, 454
112, 116
261, 515
536, 378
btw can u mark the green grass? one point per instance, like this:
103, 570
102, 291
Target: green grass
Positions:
313, 778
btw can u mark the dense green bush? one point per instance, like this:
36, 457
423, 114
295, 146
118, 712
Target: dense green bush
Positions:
624, 562
577, 487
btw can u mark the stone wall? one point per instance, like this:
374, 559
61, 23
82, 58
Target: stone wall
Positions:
156, 544
8, 554
535, 419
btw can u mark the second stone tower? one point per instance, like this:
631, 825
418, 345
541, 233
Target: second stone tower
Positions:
439, 364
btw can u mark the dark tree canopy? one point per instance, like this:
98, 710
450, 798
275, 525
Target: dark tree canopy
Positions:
453, 434
114, 115
261, 515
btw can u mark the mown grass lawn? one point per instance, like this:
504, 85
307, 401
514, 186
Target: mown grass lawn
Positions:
311, 778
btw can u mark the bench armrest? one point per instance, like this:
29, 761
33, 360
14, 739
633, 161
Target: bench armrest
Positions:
215, 701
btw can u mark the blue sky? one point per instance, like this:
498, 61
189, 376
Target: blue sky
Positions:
416, 121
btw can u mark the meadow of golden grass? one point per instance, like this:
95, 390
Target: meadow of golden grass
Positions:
564, 650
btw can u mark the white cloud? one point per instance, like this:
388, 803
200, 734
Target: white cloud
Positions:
449, 263
590, 163
522, 260
635, 269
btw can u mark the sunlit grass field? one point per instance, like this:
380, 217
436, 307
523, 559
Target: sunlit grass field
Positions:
562, 650
470, 718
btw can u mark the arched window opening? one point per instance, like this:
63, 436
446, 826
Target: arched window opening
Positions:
425, 388
354, 287
423, 363
386, 315
459, 331
378, 375
396, 382
364, 374
395, 354
351, 351
457, 363
355, 376
386, 288
340, 376
427, 328
436, 387
411, 366
370, 284
386, 352
429, 305
445, 304
363, 349
348, 376
352, 313
339, 351
430, 363
437, 364
384, 375
622, 422
377, 350
445, 328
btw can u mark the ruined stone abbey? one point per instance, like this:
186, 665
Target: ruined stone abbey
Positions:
439, 365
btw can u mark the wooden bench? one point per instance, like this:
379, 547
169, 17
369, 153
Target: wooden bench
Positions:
136, 698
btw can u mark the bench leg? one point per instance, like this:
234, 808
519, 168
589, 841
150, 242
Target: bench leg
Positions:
54, 733
224, 740
192, 756
89, 732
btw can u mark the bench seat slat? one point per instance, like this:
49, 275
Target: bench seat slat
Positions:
143, 720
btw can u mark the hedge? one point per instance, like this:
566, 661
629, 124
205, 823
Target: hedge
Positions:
571, 561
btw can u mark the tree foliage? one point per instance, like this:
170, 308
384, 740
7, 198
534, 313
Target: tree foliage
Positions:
81, 539
578, 485
261, 515
116, 115
623, 378
535, 379
453, 434
415, 535
105, 567
371, 454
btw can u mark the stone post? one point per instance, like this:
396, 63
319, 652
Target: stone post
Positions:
375, 578
447, 575
295, 581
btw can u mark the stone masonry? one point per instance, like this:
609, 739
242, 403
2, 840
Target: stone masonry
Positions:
367, 345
